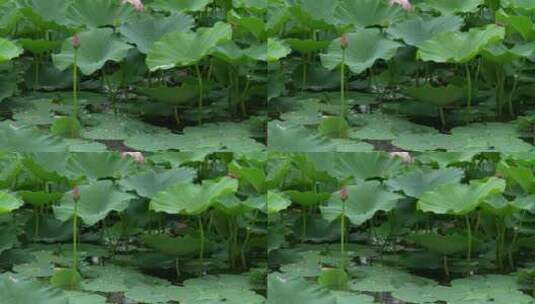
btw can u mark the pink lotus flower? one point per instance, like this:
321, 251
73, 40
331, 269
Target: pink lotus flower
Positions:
344, 41
137, 4
137, 156
405, 156
76, 41
75, 193
404, 3
343, 193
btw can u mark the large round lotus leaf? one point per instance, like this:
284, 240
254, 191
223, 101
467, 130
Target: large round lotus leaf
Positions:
113, 278
459, 47
9, 203
8, 50
276, 49
36, 269
344, 297
364, 48
295, 138
313, 14
149, 183
437, 96
47, 166
417, 30
15, 291
379, 126
365, 13
96, 201
43, 14
189, 198
230, 52
451, 6
176, 96
527, 6
186, 48
152, 294
363, 201
482, 289
441, 244
28, 139
500, 54
76, 297
522, 175
39, 46
180, 5
146, 30
517, 23
363, 166
417, 182
97, 46
97, 165
277, 201
244, 24
40, 198
379, 278
120, 127
286, 289
308, 198
307, 46
8, 238
460, 199
97, 13
231, 289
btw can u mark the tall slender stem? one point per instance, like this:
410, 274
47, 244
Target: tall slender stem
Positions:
469, 100
201, 231
342, 237
75, 237
201, 91
469, 231
75, 84
342, 84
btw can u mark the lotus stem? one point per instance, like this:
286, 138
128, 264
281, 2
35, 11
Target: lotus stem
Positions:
177, 268
201, 231
342, 85
511, 95
469, 87
304, 222
201, 91
75, 237
442, 117
342, 237
75, 84
446, 268
469, 231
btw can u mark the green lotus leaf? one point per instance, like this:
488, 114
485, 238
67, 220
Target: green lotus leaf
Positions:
97, 165
363, 166
366, 13
437, 96
377, 278
184, 94
97, 200
192, 199
40, 198
294, 138
307, 46
39, 46
180, 5
333, 279
517, 23
9, 203
8, 50
247, 24
521, 175
276, 49
113, 278
418, 182
441, 244
8, 86
230, 52
44, 14
186, 48
363, 202
460, 199
277, 201
76, 297
66, 279
152, 294
451, 6
317, 14
97, 46
146, 30
524, 6
365, 47
149, 183
289, 289
417, 30
308, 198
501, 54
345, 297
252, 175
97, 13
460, 47
25, 292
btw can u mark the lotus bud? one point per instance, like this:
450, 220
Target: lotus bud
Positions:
343, 193
405, 156
137, 4
344, 41
405, 4
75, 193
137, 156
76, 41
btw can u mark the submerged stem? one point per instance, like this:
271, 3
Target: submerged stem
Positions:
75, 237
469, 231
201, 91
201, 231
342, 85
469, 86
75, 84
